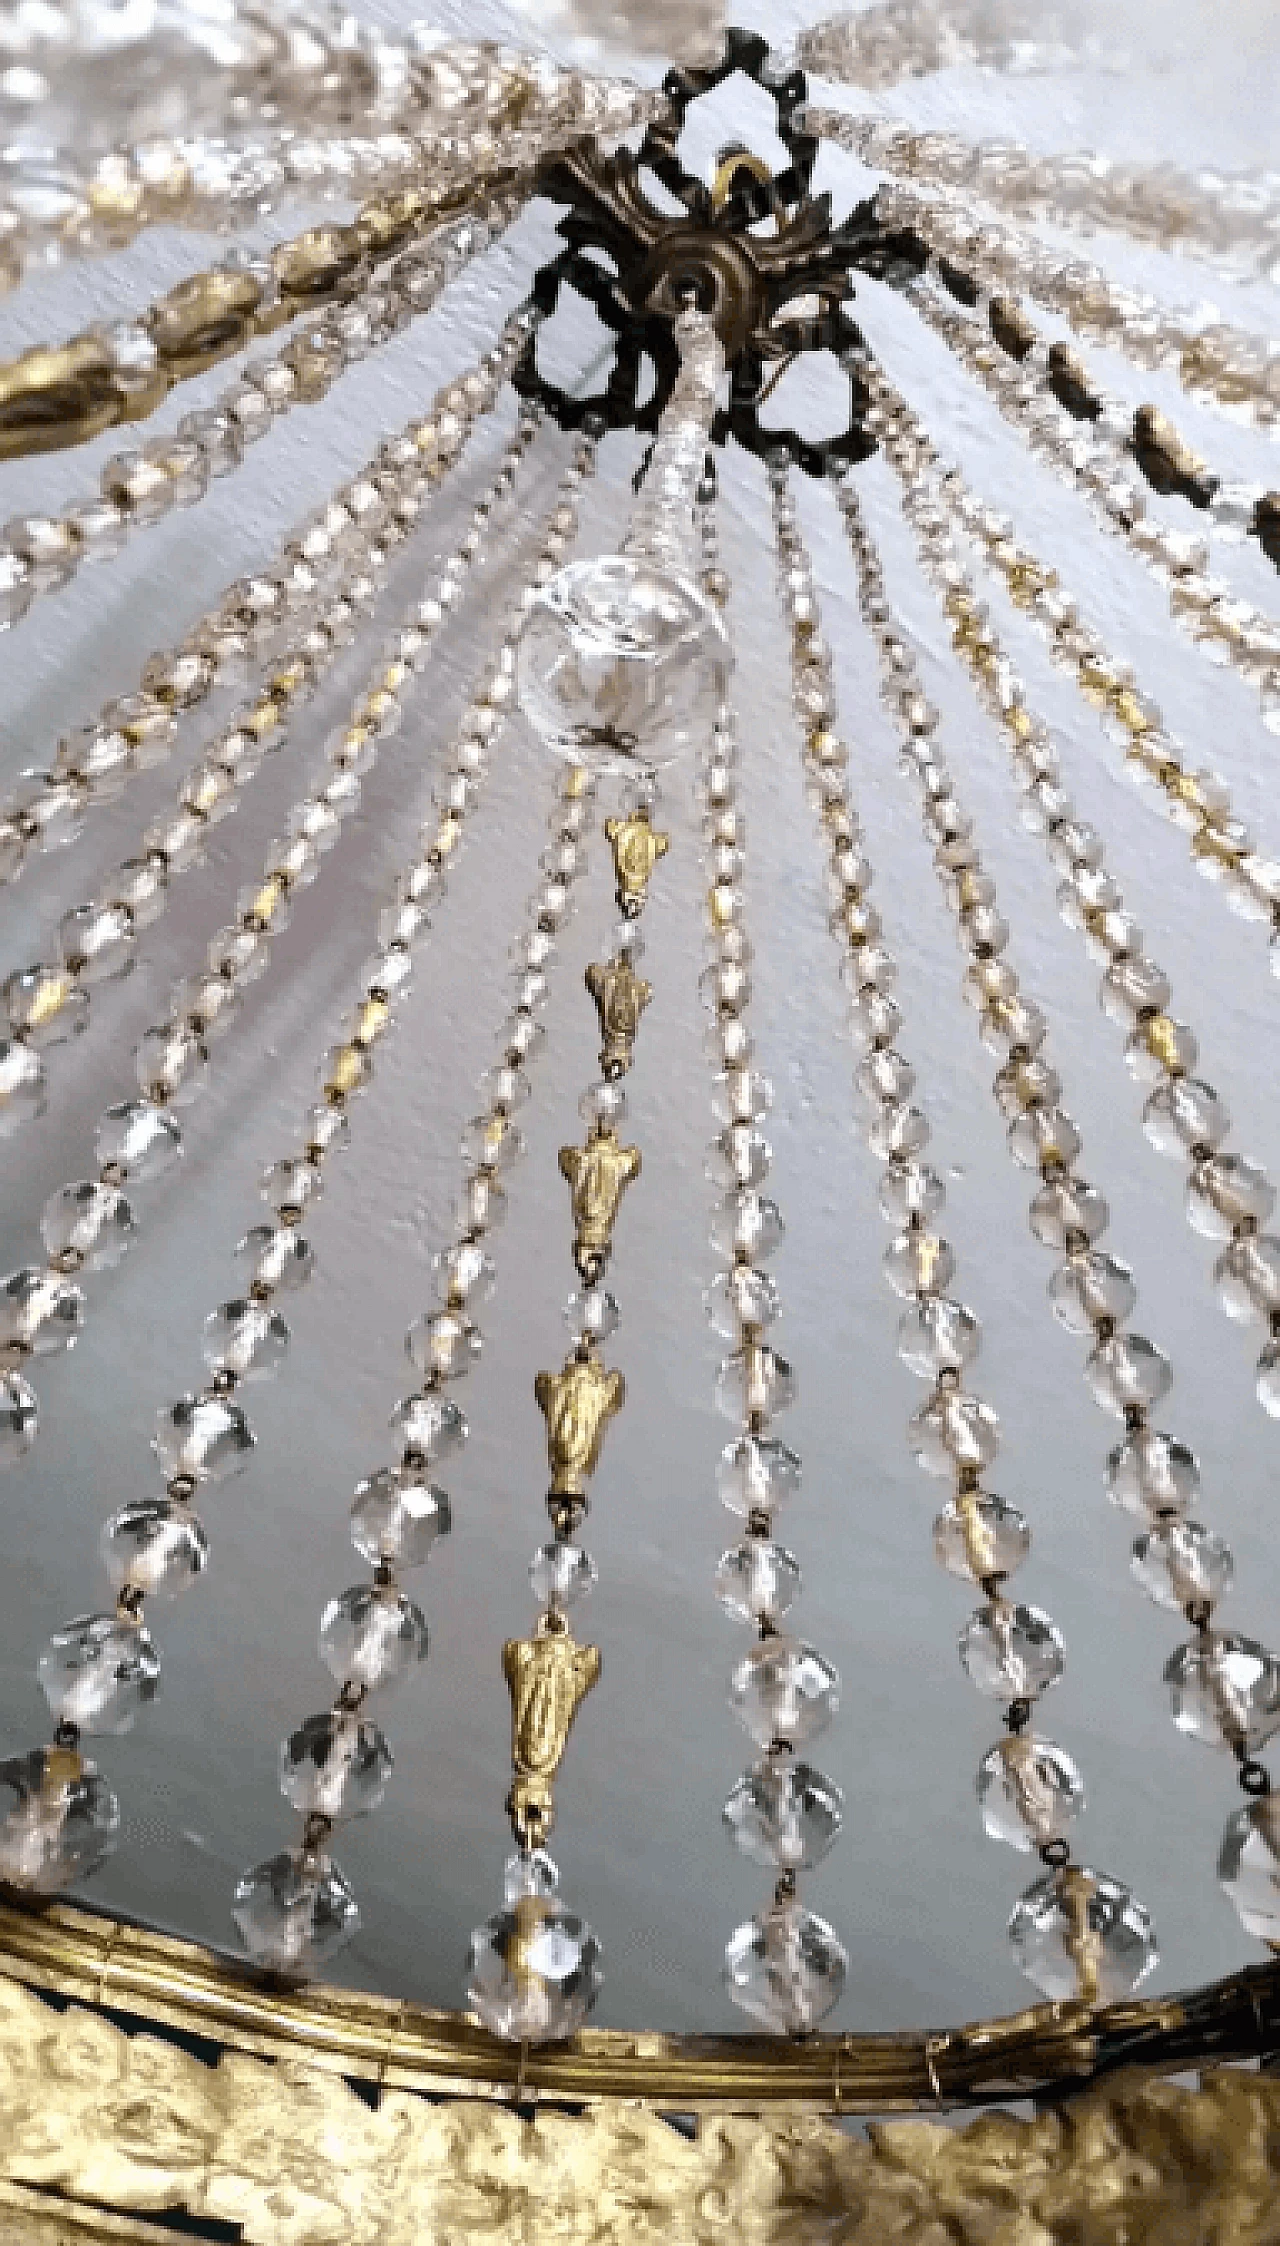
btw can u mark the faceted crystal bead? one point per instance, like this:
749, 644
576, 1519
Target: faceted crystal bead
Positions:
464, 1274
936, 1335
1247, 1277
372, 1635
58, 1821
430, 1426
1227, 1190
783, 1690
1180, 1564
739, 1157
294, 1912
1159, 1046
203, 1436
785, 1969
396, 1517
919, 1262
784, 1814
275, 1256
1249, 1866
1127, 1370
533, 1971
246, 1338
1029, 1792
910, 1192
560, 1574
1225, 1691
444, 1343
755, 1474
758, 1580
1152, 1473
741, 1095
293, 1183
1011, 1652
335, 1765
98, 942
978, 1536
45, 1006
139, 1141
1065, 1208
748, 1224
98, 1672
1043, 1135
1111, 1952
156, 1546
1184, 1113
40, 1313
953, 1430
171, 1064
593, 1311
621, 664
88, 1221
741, 1297
754, 1383
22, 1085
529, 1871
1091, 1285
17, 1418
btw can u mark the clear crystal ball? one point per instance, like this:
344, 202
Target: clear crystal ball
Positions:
1051, 1934
1224, 1689
99, 1672
1029, 1792
784, 1814
1249, 1866
785, 1968
294, 1912
335, 1765
58, 1821
533, 1972
784, 1690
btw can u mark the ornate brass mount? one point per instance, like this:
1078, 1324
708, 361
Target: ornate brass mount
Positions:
759, 252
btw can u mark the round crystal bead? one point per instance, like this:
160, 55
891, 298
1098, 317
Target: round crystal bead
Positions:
171, 1064
910, 1190
530, 1871
786, 1969
978, 1536
154, 1546
40, 1313
954, 1429
139, 1141
936, 1335
245, 1338
335, 1765
1249, 1867
1247, 1276
621, 664
58, 1821
1011, 1652
1152, 1473
1089, 1286
432, 1426
604, 1106
18, 1418
1183, 1114
758, 1580
1180, 1564
1079, 1930
592, 1311
755, 1383
1227, 1190
22, 1085
1065, 1208
747, 1223
756, 1474
1029, 1792
560, 1574
783, 1690
444, 1343
784, 1814
741, 1297
294, 1912
373, 1636
464, 1274
396, 1518
203, 1436
919, 1262
739, 1157
89, 1221
98, 1672
1127, 1370
533, 1972
1225, 1691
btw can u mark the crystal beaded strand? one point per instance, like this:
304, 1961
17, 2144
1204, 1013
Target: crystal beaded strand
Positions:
100, 1670
40, 553
49, 1002
1228, 1196
891, 40
786, 1966
533, 1972
1076, 1932
1224, 1688
89, 1221
295, 1910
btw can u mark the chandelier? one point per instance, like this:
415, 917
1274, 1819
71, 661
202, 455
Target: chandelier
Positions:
607, 684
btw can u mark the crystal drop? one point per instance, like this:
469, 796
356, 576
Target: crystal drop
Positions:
754, 1383
592, 1311
155, 1546
464, 1274
1249, 1867
785, 1969
1152, 1473
1180, 1564
1116, 1945
747, 1223
432, 1427
89, 1221
18, 1419
275, 1256
530, 1871
561, 1573
203, 1436
22, 1085
1227, 1190
755, 1474
1247, 1277
784, 1814
98, 1672
741, 1297
980, 1536
138, 1140
40, 1313
373, 1636
1091, 1285
1011, 1652
335, 1765
758, 1580
396, 1517
918, 1262
533, 1971
1029, 1792
58, 1821
245, 1338
1184, 1113
936, 1335
294, 1912
1126, 1371
783, 1690
1225, 1691
954, 1429
443, 1343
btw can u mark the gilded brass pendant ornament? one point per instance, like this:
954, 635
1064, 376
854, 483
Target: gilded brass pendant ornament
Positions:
637, 846
621, 997
548, 1677
598, 1175
577, 1405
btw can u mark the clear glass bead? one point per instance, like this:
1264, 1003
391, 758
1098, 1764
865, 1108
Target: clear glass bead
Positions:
1247, 1277
561, 1573
88, 1221
396, 1517
275, 1256
1115, 1945
1152, 1473
785, 1969
783, 1690
98, 1673
480, 1205
533, 1971
910, 1191
529, 1871
293, 1183
203, 1436
98, 942
444, 1344
952, 1430
40, 1312
592, 1311
756, 1474
1090, 1285
1180, 1564
464, 1274
335, 1765
749, 1224
754, 1382
1227, 1190
58, 1821
784, 1814
621, 664
1029, 1792
1225, 1690
171, 1064
741, 1095
741, 1297
919, 1262
1011, 1652
45, 1006
936, 1335
1065, 1208
758, 1580
739, 1157
154, 1546
1125, 1371
22, 1085
1043, 1135
1249, 1867
18, 1418
246, 1338
138, 1140
603, 1107
979, 1536
294, 1913
492, 1141
1184, 1113
1159, 1047
432, 1427
372, 1635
